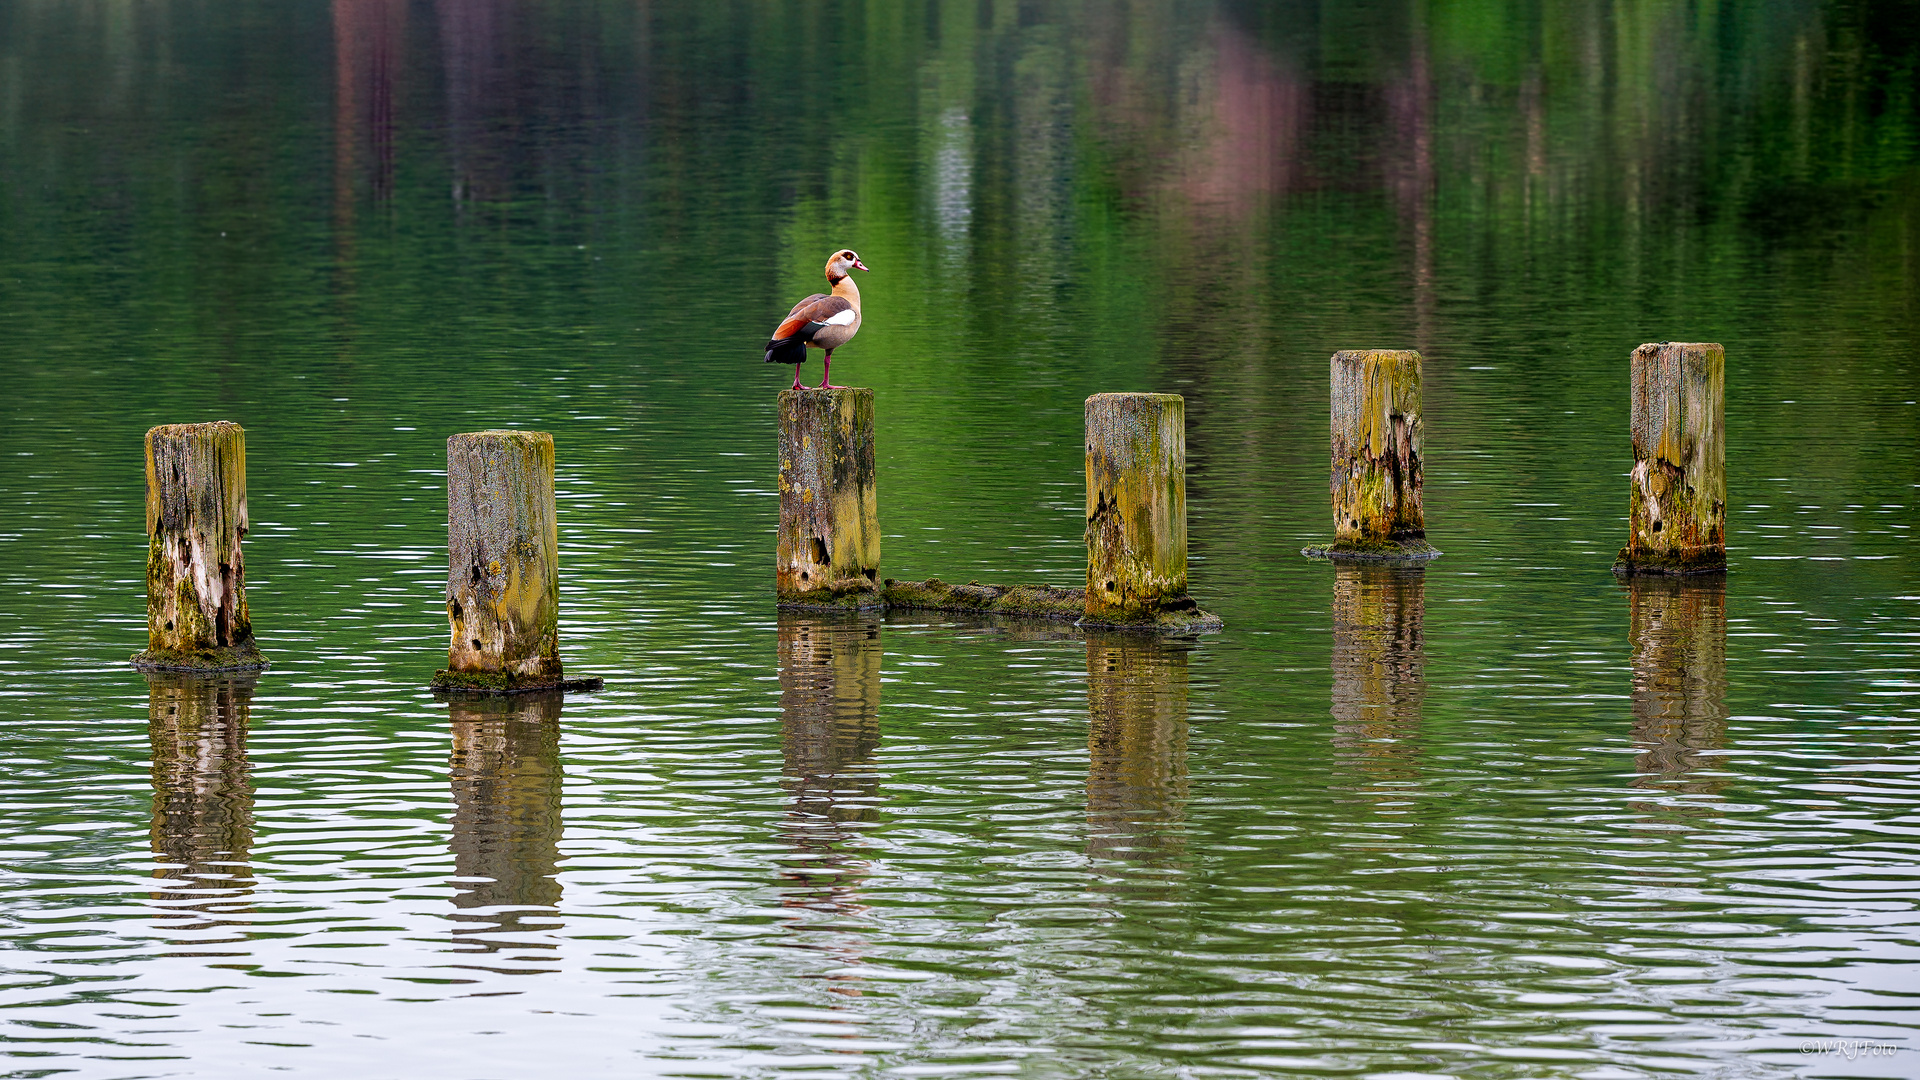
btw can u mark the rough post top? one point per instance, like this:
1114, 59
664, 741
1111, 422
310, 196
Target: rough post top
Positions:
513, 435
211, 427
1378, 356
838, 391
1161, 399
1685, 346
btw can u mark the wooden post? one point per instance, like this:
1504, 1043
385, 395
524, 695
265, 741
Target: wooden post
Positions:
1137, 513
196, 582
829, 546
1377, 438
506, 779
202, 828
1677, 513
503, 565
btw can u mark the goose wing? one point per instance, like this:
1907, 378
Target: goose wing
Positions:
814, 314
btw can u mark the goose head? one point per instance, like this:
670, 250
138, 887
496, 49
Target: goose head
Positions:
842, 263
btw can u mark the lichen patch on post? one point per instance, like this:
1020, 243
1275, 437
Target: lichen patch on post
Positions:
197, 618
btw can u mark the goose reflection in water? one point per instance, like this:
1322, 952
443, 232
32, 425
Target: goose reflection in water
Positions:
830, 725
1679, 632
202, 801
1136, 747
1379, 676
505, 772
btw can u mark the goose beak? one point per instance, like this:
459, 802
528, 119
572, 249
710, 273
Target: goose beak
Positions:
858, 265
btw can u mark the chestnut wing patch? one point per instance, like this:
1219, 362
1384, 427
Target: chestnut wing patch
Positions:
814, 314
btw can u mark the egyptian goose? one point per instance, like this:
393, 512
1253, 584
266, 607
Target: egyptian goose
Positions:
823, 321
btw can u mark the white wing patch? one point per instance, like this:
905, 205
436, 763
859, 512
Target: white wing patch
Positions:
843, 318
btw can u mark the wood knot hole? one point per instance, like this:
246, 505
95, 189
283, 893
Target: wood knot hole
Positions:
819, 551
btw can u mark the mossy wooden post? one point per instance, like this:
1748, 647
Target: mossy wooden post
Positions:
1137, 513
1677, 512
1376, 437
829, 547
196, 582
503, 564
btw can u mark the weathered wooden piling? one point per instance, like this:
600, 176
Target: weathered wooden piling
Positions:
196, 581
829, 545
1677, 512
1137, 514
503, 566
1377, 472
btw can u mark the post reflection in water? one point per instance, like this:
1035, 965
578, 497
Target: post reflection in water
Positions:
830, 725
506, 778
1379, 675
1137, 746
1679, 628
202, 797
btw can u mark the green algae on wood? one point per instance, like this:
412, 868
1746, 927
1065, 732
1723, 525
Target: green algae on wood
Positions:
1677, 506
503, 564
1137, 514
828, 555
197, 616
1376, 438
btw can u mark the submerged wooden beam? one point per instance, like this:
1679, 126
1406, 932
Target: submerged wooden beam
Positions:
503, 566
196, 581
1678, 508
974, 598
1137, 514
829, 544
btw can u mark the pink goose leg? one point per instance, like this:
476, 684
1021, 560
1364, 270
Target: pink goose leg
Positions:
826, 374
796, 378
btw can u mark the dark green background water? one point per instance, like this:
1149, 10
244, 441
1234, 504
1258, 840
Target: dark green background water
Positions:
1509, 818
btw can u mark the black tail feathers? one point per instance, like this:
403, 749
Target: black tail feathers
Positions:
791, 350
